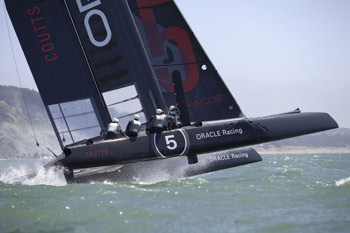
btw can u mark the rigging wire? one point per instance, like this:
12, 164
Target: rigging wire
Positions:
161, 80
123, 101
18, 76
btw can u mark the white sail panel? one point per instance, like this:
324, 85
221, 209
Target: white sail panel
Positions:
75, 120
124, 103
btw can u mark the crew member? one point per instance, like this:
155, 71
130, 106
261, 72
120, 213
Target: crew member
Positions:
157, 123
114, 130
173, 117
133, 127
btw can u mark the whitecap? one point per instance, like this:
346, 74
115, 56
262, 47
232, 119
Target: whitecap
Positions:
26, 175
342, 181
106, 182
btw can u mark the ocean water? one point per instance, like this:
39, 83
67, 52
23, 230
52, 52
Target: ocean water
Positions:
284, 193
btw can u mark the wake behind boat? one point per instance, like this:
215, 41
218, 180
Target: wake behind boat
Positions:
93, 61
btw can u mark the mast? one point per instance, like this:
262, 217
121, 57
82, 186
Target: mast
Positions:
144, 77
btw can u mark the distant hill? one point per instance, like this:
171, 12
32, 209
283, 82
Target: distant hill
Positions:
332, 141
16, 135
17, 139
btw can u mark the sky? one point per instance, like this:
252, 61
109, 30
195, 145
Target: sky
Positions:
274, 55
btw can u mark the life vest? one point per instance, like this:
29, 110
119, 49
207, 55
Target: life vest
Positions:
114, 128
134, 126
174, 114
160, 121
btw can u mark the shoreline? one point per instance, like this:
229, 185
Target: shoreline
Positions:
302, 150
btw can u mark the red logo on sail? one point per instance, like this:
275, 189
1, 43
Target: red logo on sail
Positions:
157, 37
44, 38
205, 101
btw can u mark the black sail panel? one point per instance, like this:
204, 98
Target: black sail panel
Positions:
59, 68
115, 50
52, 50
171, 45
79, 50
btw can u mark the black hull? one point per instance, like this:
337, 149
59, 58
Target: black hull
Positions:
176, 152
164, 169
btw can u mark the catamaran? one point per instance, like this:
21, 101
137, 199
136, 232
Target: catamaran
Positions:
99, 59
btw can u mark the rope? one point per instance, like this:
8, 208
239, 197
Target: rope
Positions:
161, 80
123, 101
18, 76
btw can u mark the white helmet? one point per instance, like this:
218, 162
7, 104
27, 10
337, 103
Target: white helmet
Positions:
159, 111
172, 107
136, 117
115, 120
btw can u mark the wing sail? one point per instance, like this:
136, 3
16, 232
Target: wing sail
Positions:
85, 57
171, 45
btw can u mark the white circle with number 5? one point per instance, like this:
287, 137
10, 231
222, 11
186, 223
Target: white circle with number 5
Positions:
170, 143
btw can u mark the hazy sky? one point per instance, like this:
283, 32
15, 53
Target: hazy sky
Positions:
274, 55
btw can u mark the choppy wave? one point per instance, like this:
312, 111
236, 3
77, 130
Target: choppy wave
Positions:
283, 193
32, 175
342, 181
